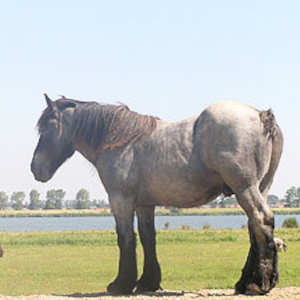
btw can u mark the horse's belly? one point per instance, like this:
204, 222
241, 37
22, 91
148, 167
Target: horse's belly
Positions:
179, 192
171, 171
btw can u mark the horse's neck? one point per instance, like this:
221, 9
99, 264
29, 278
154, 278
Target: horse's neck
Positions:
113, 128
86, 151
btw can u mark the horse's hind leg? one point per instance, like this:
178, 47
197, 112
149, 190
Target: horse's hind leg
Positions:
123, 211
151, 277
260, 273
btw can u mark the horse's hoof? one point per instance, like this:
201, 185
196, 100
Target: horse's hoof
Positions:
117, 289
240, 288
140, 288
251, 289
254, 289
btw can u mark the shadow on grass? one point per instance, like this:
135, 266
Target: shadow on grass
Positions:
159, 294
103, 295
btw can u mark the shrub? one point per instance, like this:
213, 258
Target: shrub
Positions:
185, 227
290, 223
166, 225
206, 226
174, 211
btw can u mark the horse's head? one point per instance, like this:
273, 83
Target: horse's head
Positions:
55, 143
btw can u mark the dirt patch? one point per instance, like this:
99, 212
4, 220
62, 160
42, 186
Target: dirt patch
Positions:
291, 293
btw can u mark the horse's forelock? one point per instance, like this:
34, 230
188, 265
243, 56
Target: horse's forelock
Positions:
43, 120
48, 112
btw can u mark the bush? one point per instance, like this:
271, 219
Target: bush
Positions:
166, 225
290, 223
206, 227
185, 227
174, 211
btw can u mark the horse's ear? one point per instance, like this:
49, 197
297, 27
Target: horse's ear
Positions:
49, 102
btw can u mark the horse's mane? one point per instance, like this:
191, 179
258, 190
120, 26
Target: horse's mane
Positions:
109, 126
102, 126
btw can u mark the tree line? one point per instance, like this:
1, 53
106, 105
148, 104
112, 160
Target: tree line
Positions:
290, 199
54, 200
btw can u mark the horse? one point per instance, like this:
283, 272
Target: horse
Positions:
143, 161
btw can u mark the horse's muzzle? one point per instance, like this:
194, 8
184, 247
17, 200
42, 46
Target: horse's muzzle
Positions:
40, 172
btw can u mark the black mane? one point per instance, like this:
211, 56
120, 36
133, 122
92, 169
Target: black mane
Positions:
102, 125
110, 126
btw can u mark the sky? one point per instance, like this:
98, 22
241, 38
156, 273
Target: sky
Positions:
168, 58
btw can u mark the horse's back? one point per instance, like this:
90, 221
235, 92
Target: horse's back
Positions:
191, 162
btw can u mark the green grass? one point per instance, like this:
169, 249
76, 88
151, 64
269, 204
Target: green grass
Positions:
66, 263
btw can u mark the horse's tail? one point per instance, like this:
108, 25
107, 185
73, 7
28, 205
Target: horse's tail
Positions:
268, 119
273, 131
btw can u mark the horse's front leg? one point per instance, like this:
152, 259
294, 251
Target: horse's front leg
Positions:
123, 211
151, 277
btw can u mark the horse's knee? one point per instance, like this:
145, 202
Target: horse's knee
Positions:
126, 241
268, 215
260, 216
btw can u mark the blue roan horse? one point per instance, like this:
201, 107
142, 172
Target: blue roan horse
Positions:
229, 148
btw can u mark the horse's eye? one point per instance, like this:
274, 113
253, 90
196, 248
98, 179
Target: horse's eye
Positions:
50, 128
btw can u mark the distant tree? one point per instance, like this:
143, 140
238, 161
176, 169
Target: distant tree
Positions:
273, 200
17, 200
34, 200
54, 199
223, 201
100, 203
82, 199
50, 200
173, 210
3, 200
291, 196
95, 203
297, 201
70, 204
220, 201
60, 194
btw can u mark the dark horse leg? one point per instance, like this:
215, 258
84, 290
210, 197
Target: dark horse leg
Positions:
126, 280
151, 278
260, 273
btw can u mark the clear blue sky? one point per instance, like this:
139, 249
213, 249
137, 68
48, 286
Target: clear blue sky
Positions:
166, 58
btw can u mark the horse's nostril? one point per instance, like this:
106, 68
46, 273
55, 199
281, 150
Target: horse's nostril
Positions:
40, 173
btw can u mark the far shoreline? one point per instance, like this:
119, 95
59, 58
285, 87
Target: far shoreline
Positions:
160, 211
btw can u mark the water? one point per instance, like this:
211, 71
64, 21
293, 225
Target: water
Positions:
107, 223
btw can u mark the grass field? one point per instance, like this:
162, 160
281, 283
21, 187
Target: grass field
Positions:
66, 263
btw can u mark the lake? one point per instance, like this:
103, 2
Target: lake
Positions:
28, 224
